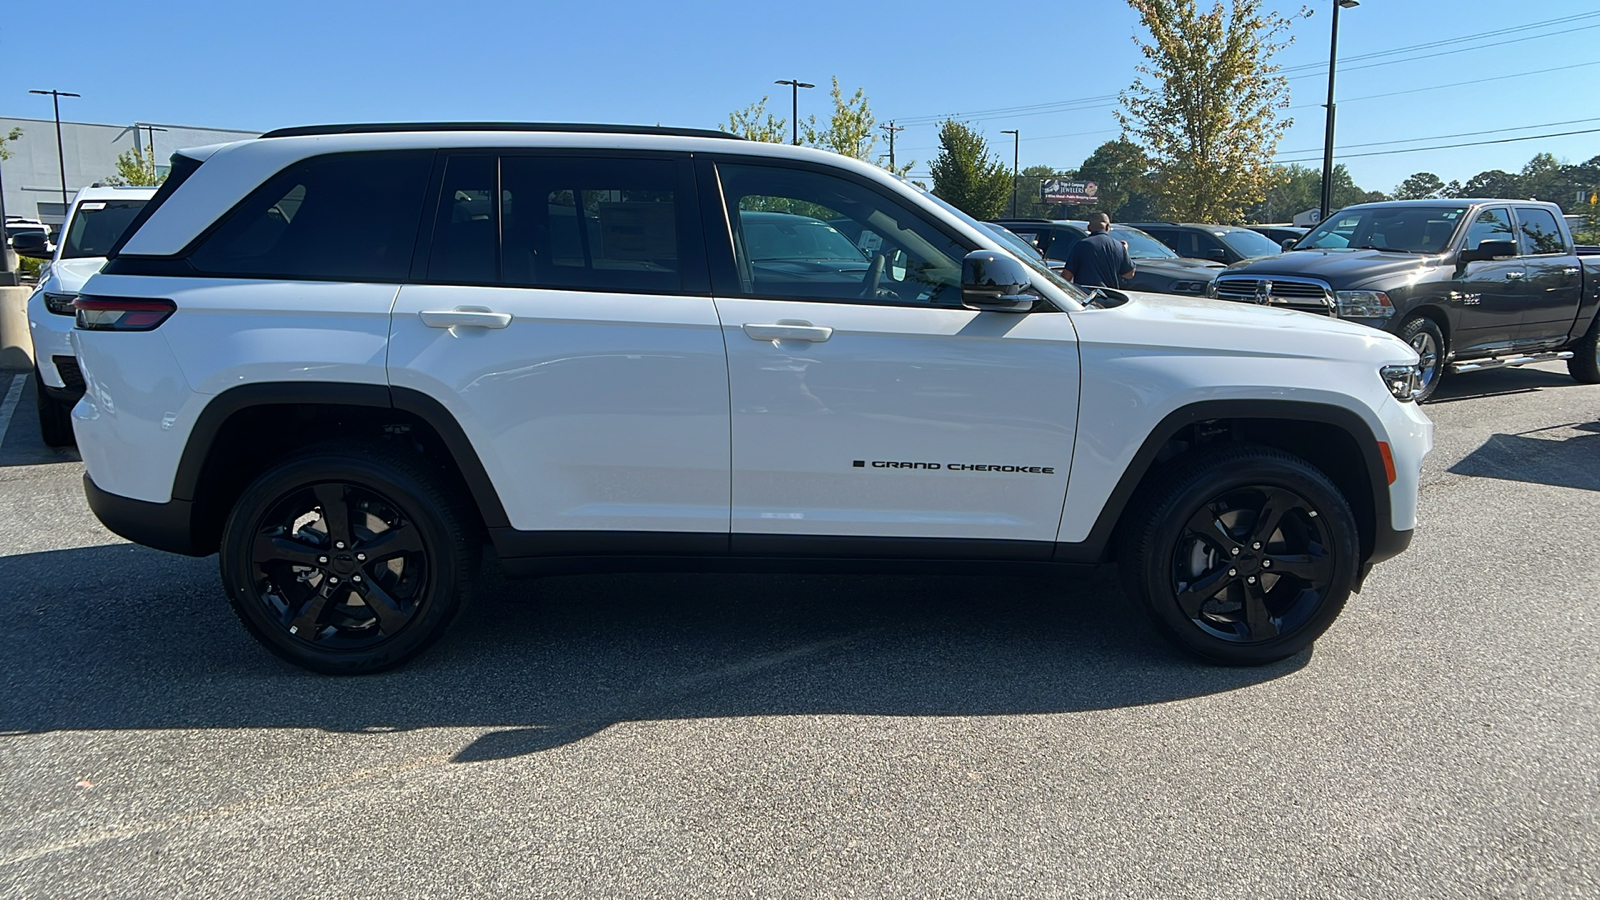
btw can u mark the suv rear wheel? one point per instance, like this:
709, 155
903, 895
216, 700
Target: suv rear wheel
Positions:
348, 559
1241, 556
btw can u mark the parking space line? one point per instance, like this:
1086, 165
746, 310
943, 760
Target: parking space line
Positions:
9, 406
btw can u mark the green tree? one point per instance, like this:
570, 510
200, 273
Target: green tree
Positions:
851, 129
1206, 105
1029, 203
1495, 183
966, 175
1296, 188
1421, 186
756, 124
1121, 173
5, 152
135, 169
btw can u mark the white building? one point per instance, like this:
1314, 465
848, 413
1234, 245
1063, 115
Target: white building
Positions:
32, 176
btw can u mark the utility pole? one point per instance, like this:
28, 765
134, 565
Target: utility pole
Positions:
1016, 143
1327, 140
891, 128
61, 157
797, 85
8, 278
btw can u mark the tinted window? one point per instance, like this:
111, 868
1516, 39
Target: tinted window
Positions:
1540, 234
897, 255
1249, 244
1402, 229
466, 239
1061, 241
1141, 245
1490, 225
598, 224
351, 217
96, 226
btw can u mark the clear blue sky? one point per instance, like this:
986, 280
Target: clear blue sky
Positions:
260, 65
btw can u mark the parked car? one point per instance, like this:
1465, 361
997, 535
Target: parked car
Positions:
1218, 243
1282, 235
1469, 284
347, 356
16, 225
1156, 268
96, 218
1022, 246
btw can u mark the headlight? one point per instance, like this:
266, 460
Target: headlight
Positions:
1363, 305
1188, 287
1403, 381
60, 304
1211, 289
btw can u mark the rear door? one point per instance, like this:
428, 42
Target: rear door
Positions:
866, 401
1552, 279
563, 317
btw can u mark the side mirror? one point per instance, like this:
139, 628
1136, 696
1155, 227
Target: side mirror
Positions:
992, 281
1289, 243
33, 245
1484, 250
1217, 254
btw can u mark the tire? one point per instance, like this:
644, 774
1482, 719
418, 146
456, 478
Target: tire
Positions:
1424, 336
55, 417
351, 597
1198, 525
1585, 362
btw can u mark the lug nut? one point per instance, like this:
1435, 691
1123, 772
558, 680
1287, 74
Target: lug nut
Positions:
338, 545
1234, 551
356, 578
1232, 572
361, 556
1256, 546
1251, 579
322, 559
1312, 513
333, 579
1266, 564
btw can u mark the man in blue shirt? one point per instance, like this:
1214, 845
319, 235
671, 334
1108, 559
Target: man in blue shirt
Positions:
1098, 260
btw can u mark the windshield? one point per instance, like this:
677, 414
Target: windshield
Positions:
1141, 245
96, 225
1248, 243
1400, 229
1031, 260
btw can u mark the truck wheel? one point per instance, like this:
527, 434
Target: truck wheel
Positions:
55, 418
1585, 362
1241, 556
348, 559
1425, 337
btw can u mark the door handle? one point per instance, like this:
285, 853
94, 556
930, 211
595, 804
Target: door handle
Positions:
1571, 270
465, 317
1515, 276
787, 330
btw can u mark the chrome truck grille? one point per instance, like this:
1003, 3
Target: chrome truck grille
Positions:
1302, 294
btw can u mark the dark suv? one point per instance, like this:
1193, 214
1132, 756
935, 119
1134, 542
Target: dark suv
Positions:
1156, 268
1219, 243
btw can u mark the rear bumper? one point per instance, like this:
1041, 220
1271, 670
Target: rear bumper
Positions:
165, 526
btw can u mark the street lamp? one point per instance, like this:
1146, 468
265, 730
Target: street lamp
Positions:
150, 148
1327, 140
61, 158
797, 85
1016, 141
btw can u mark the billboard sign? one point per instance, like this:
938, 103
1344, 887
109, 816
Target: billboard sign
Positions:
1053, 190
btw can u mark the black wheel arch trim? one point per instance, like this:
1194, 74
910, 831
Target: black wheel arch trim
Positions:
1095, 547
222, 407
166, 526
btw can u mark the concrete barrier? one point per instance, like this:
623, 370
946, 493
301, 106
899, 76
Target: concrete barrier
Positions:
16, 344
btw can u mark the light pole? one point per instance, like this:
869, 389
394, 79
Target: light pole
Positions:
8, 278
61, 158
1327, 140
150, 149
797, 85
1016, 142
892, 128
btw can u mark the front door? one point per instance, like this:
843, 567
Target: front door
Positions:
1487, 294
564, 319
866, 401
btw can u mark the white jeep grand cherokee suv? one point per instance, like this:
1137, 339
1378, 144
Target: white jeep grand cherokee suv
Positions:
95, 220
347, 356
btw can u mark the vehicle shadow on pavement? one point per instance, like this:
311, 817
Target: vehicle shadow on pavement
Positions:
123, 637
1553, 456
23, 445
1499, 383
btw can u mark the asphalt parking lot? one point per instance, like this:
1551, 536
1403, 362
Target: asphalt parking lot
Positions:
679, 735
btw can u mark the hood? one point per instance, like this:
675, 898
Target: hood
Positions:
1339, 268
1199, 324
1182, 266
68, 275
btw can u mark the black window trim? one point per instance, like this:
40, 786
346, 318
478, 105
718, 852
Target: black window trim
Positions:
725, 271
694, 279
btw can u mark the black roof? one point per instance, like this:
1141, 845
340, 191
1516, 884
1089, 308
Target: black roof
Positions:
569, 127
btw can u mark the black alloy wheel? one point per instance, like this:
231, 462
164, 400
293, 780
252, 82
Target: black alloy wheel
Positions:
1242, 556
348, 561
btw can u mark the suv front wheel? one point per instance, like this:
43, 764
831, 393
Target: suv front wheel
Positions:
348, 560
1242, 556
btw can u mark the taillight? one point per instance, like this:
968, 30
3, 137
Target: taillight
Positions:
121, 313
60, 304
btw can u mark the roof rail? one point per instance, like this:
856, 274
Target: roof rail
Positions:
572, 127
1021, 219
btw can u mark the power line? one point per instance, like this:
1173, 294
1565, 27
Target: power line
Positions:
1454, 84
1376, 54
1531, 137
1440, 137
1496, 46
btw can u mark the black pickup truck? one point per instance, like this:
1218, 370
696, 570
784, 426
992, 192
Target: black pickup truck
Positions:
1470, 284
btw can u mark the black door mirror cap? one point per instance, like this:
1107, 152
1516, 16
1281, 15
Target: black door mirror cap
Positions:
33, 245
992, 281
1488, 250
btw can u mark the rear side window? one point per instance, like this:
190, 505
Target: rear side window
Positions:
1540, 234
350, 217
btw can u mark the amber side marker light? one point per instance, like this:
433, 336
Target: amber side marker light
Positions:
1388, 460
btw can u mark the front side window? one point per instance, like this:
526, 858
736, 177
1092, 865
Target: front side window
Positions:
1489, 225
1250, 244
349, 217
807, 235
96, 225
1540, 233
1141, 245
